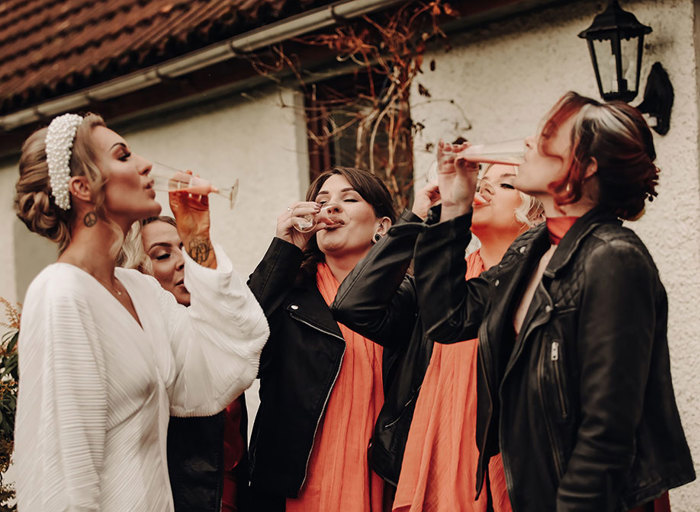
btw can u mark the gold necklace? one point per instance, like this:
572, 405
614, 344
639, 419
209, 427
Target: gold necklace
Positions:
112, 289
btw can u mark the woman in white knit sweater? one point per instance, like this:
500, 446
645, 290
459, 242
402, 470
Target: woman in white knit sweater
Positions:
106, 355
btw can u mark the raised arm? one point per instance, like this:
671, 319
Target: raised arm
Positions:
216, 341
279, 268
275, 274
377, 299
451, 308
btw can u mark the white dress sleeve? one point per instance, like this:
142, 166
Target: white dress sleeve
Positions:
216, 341
62, 407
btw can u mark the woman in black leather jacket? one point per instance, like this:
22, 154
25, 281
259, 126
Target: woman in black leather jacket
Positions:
315, 375
575, 385
376, 298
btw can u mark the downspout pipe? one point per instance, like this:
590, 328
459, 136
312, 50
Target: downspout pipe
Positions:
252, 40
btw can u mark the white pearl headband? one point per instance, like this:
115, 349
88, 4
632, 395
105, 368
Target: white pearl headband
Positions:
59, 141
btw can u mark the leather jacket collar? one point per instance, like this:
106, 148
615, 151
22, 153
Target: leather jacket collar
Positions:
574, 237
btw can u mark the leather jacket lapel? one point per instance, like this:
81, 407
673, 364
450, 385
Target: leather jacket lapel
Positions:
310, 308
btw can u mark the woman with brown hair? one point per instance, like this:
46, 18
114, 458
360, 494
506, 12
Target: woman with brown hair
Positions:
320, 383
574, 374
107, 355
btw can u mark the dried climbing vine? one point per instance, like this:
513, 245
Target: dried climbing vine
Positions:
386, 52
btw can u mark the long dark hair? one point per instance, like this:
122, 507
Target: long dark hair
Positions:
372, 190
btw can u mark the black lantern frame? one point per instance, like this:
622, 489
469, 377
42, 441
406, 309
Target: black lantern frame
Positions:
616, 26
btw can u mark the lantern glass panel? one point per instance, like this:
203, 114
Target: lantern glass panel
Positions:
629, 49
606, 64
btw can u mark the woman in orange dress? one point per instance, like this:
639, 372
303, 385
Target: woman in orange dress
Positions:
321, 384
438, 465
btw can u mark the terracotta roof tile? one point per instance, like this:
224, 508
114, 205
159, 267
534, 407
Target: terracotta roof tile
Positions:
51, 47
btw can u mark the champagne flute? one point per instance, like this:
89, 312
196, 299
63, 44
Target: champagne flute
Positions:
170, 179
305, 223
510, 152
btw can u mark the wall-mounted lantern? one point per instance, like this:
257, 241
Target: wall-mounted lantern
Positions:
616, 43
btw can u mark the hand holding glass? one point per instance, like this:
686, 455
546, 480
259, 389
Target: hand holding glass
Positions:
169, 179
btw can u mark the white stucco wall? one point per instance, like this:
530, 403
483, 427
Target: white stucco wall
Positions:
8, 177
506, 76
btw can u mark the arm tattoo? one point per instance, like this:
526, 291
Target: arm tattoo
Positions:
199, 249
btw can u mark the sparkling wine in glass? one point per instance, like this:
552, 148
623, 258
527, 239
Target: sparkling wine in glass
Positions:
327, 214
511, 152
170, 179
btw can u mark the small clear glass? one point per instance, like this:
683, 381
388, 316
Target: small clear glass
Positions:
510, 152
328, 214
170, 179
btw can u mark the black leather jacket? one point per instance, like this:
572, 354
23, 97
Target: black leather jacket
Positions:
581, 401
378, 300
298, 368
196, 462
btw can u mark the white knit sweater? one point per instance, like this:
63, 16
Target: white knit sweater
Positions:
97, 389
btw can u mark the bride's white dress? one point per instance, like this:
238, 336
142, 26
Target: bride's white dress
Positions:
96, 388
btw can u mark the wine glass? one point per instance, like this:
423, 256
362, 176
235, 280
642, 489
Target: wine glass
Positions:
510, 152
305, 223
170, 179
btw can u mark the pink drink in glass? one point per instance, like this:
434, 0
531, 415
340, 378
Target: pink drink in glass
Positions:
510, 152
169, 179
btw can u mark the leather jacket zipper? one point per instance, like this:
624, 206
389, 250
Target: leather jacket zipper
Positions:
555, 452
328, 396
396, 420
482, 447
557, 379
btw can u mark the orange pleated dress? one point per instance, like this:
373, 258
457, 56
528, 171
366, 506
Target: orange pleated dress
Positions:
438, 473
338, 477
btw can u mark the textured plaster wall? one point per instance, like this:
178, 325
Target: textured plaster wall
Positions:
504, 77
7, 253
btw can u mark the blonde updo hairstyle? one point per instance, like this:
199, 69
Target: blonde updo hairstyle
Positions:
34, 204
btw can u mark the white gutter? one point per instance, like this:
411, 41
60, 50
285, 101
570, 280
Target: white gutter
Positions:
247, 42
